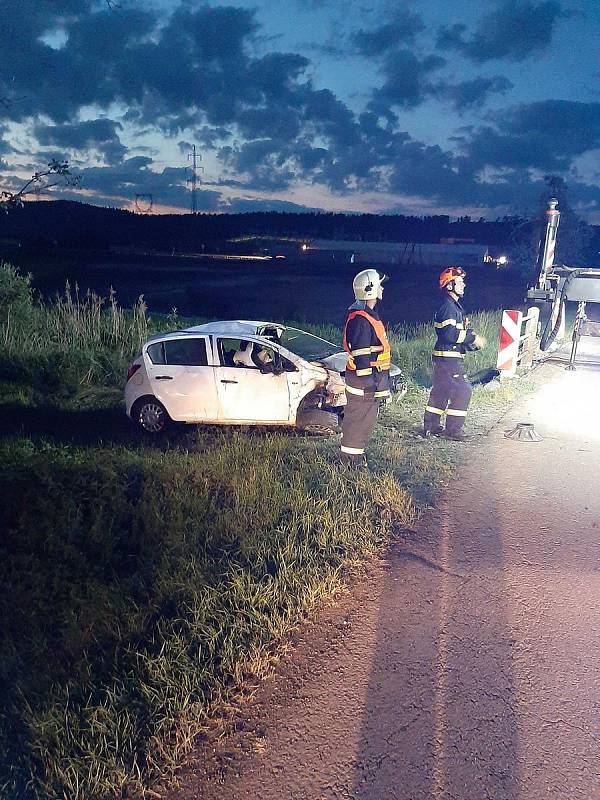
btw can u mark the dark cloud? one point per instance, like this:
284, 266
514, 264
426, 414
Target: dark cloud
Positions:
42, 79
199, 59
198, 62
197, 68
442, 179
275, 74
401, 30
515, 29
284, 147
100, 135
310, 158
5, 145
493, 167
329, 117
210, 138
499, 165
546, 135
134, 176
574, 126
264, 161
407, 80
472, 93
197, 71
280, 123
200, 75
429, 171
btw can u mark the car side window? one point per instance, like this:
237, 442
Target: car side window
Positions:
244, 354
186, 352
156, 353
236, 353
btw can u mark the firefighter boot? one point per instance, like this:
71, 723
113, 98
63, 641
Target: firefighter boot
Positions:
353, 461
455, 436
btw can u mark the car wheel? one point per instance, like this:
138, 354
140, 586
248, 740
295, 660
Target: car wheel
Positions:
151, 415
318, 422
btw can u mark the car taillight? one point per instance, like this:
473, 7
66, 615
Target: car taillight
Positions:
132, 370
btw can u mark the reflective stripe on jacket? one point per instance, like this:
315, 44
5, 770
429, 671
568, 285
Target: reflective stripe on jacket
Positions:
453, 337
368, 349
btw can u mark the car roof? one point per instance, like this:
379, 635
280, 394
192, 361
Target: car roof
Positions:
232, 326
241, 327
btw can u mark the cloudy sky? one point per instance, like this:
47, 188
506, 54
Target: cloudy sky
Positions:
411, 107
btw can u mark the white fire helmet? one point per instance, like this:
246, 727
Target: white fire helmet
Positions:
368, 285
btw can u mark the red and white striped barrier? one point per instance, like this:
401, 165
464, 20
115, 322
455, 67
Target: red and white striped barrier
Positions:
508, 346
516, 348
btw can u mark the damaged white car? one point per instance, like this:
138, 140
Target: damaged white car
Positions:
240, 373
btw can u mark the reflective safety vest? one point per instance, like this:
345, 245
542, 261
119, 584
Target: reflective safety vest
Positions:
380, 353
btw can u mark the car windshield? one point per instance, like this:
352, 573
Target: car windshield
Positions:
307, 346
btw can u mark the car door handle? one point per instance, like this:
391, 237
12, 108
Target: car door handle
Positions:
164, 377
223, 381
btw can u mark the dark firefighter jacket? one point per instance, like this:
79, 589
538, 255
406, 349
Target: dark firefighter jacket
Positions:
368, 350
454, 339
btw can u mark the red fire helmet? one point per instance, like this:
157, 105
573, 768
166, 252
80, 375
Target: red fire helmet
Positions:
449, 274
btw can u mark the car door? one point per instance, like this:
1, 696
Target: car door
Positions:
182, 377
246, 393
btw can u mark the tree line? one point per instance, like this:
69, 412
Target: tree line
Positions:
76, 224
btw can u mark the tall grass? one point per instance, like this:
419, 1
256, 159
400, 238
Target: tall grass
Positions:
70, 321
74, 339
88, 322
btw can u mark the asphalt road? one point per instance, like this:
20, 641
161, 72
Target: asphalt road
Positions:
466, 664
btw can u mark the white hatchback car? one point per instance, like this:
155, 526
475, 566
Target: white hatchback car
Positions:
240, 373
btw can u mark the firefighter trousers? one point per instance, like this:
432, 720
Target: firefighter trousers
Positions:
450, 395
360, 416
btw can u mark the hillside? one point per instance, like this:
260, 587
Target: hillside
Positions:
78, 225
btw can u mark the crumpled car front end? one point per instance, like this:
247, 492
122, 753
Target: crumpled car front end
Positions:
336, 364
334, 390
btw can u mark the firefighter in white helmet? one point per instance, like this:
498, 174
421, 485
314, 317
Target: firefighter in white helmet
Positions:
368, 369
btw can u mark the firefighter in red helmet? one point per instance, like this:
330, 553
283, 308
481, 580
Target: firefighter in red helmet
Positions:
368, 368
451, 390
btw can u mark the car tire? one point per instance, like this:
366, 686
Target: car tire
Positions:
318, 422
150, 415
